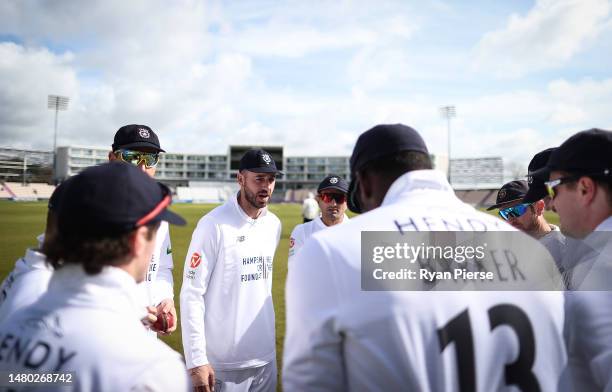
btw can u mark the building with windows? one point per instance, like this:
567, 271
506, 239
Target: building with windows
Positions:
182, 169
477, 173
25, 165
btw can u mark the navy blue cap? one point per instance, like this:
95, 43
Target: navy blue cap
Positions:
376, 143
333, 181
112, 199
383, 140
587, 152
537, 189
133, 136
258, 161
510, 192
56, 197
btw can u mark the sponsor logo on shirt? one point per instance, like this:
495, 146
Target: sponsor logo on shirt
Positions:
256, 268
168, 250
196, 259
291, 242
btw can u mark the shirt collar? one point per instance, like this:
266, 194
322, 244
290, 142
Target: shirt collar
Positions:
319, 221
36, 259
417, 180
112, 287
606, 225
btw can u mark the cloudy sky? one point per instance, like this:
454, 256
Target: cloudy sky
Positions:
308, 75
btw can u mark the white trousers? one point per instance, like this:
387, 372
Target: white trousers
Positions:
257, 379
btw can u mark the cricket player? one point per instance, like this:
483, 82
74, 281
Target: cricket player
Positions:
529, 218
227, 314
30, 277
331, 199
342, 338
86, 328
139, 145
580, 185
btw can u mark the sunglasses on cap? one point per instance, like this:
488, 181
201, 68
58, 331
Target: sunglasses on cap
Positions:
150, 159
514, 212
338, 197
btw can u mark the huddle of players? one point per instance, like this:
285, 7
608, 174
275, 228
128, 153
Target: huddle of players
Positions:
338, 336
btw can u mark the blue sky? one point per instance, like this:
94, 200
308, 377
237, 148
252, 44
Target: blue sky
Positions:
311, 76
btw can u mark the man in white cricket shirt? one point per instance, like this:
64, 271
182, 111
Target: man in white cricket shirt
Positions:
227, 315
331, 198
340, 337
529, 218
139, 145
580, 185
87, 326
554, 240
30, 277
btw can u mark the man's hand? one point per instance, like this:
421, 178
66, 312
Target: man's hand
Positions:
202, 378
150, 318
167, 306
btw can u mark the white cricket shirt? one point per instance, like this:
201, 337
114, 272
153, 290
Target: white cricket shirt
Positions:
303, 231
342, 338
25, 284
90, 325
588, 325
227, 316
158, 283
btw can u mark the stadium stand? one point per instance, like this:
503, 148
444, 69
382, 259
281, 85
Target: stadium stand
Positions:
33, 191
5, 192
213, 192
298, 195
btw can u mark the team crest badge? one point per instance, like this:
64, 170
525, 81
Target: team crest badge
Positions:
196, 259
266, 158
502, 194
143, 133
333, 180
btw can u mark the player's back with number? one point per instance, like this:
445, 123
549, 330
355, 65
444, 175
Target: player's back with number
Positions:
413, 340
342, 337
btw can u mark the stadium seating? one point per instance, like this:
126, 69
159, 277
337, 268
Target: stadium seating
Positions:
33, 191
208, 193
298, 195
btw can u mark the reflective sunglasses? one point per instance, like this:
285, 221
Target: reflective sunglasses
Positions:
338, 197
150, 159
514, 212
551, 185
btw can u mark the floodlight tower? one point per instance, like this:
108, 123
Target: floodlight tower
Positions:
448, 112
57, 103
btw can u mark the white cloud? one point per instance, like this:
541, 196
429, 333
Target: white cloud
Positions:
27, 77
195, 73
550, 34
